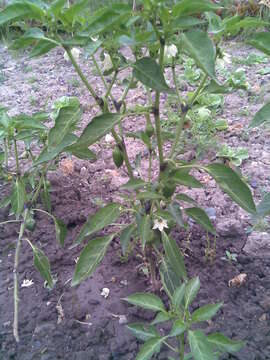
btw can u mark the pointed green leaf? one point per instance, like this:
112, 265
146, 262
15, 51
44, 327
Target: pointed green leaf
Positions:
134, 184
81, 152
146, 301
148, 195
178, 328
183, 178
18, 197
200, 216
169, 278
200, 47
199, 346
178, 296
60, 230
187, 7
205, 312
261, 41
74, 10
149, 348
176, 212
125, 238
263, 208
67, 117
42, 264
186, 22
21, 10
143, 332
233, 185
185, 198
174, 256
97, 128
90, 258
223, 343
30, 36
262, 116
145, 230
192, 288
56, 6
161, 317
148, 72
102, 218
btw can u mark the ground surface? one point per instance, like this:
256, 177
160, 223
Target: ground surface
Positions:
90, 326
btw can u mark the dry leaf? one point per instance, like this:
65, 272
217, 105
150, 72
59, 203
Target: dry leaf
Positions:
238, 280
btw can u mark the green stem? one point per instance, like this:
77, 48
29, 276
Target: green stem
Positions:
17, 158
16, 280
83, 78
99, 72
150, 169
157, 109
9, 221
197, 92
182, 347
44, 212
6, 152
108, 93
170, 347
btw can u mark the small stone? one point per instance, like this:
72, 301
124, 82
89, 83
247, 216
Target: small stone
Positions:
211, 212
258, 244
124, 282
83, 172
228, 227
253, 183
122, 319
263, 317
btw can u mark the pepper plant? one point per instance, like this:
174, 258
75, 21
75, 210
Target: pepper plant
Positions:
154, 31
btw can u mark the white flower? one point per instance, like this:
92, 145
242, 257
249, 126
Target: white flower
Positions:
27, 283
107, 63
170, 51
94, 38
109, 139
160, 224
105, 292
75, 53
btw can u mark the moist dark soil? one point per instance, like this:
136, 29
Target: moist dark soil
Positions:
79, 323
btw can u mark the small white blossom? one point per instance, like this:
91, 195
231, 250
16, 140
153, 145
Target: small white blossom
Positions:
105, 292
109, 139
170, 51
75, 53
160, 224
107, 63
94, 38
27, 283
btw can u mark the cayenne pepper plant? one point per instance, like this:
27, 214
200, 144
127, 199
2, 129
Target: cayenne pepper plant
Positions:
155, 33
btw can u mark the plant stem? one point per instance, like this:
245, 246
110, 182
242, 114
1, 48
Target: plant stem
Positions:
16, 280
99, 72
6, 152
157, 108
182, 347
9, 221
170, 347
82, 77
17, 158
197, 92
108, 93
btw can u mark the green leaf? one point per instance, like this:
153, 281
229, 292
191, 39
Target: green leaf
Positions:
102, 218
169, 278
145, 230
182, 177
149, 348
187, 7
67, 117
97, 128
56, 7
74, 10
185, 198
21, 10
185, 22
192, 288
263, 208
261, 41
42, 47
143, 332
92, 47
176, 212
223, 343
148, 195
161, 317
146, 301
81, 152
18, 197
42, 264
134, 184
200, 216
232, 184
178, 296
200, 47
261, 117
5, 202
174, 256
50, 154
125, 238
149, 73
178, 328
246, 23
30, 36
90, 258
60, 230
199, 346
25, 122
205, 312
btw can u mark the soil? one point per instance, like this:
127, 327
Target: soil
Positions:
80, 324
